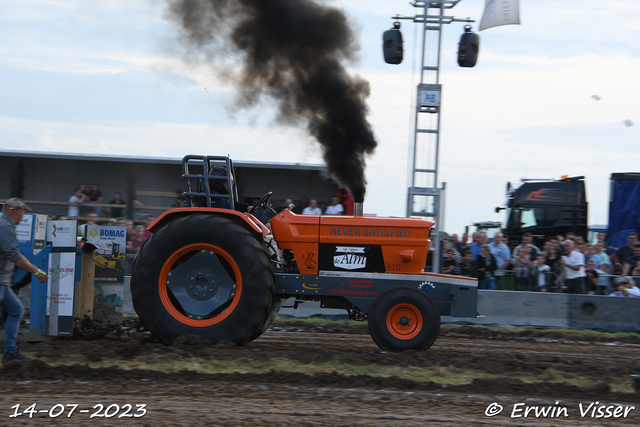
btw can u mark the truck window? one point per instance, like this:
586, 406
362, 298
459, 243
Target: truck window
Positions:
522, 218
528, 218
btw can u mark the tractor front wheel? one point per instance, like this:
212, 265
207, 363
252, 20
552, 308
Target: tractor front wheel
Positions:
203, 275
404, 318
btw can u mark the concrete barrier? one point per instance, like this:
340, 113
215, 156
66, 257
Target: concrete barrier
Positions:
519, 309
508, 308
555, 310
604, 312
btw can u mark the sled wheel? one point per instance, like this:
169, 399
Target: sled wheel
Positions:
404, 318
203, 275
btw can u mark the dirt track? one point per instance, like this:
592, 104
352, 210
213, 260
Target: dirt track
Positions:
278, 398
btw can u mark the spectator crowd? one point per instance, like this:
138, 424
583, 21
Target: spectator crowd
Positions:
82, 206
563, 264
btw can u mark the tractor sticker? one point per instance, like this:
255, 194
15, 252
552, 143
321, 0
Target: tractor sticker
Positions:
349, 258
370, 232
352, 292
362, 284
310, 260
430, 288
328, 273
312, 286
423, 284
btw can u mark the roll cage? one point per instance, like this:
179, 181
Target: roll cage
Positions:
196, 178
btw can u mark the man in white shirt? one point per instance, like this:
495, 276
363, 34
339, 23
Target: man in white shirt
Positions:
573, 264
78, 197
335, 208
312, 209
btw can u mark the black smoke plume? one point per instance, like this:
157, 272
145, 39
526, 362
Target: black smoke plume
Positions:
291, 51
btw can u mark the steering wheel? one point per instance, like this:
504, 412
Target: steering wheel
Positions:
261, 203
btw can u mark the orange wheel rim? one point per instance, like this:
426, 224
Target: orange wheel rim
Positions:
171, 263
404, 321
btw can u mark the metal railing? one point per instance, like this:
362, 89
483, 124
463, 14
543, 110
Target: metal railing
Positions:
506, 280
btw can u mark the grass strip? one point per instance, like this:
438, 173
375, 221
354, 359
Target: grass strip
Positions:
436, 374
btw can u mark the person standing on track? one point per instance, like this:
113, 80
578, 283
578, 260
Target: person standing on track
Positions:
10, 255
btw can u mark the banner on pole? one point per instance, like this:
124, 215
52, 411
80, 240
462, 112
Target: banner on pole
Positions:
59, 309
500, 12
61, 271
110, 243
62, 234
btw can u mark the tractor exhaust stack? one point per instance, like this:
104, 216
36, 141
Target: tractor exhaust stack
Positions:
358, 209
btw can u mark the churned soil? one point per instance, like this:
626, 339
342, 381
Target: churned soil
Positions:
531, 368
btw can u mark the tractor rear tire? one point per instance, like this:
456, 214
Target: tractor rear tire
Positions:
275, 309
404, 318
203, 275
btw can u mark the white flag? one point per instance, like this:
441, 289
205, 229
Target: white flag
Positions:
500, 12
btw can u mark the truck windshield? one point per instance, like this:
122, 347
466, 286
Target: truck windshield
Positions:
521, 218
528, 217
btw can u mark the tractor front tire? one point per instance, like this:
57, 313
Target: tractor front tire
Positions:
203, 275
404, 318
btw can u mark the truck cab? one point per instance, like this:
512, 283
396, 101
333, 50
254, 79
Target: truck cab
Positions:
545, 208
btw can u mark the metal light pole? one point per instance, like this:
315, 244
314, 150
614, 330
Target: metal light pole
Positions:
424, 197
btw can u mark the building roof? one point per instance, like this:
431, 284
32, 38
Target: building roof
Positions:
155, 160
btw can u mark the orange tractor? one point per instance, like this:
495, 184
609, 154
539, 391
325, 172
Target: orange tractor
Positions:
215, 272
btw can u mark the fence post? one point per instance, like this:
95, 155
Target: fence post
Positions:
87, 279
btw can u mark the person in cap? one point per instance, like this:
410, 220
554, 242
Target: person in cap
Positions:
10, 255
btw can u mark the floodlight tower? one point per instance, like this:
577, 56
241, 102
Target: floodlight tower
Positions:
424, 197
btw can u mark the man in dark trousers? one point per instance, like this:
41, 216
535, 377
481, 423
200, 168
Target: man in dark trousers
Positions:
10, 255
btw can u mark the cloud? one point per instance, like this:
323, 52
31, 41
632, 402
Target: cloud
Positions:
553, 92
113, 83
156, 140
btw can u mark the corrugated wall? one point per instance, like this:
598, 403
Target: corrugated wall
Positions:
54, 179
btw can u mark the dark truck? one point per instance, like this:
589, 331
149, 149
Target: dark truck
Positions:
552, 207
546, 208
624, 208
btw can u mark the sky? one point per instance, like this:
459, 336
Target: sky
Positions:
96, 77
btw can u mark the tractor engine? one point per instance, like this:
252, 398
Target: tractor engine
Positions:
357, 244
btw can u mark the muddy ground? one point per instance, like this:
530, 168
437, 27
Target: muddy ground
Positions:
506, 363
